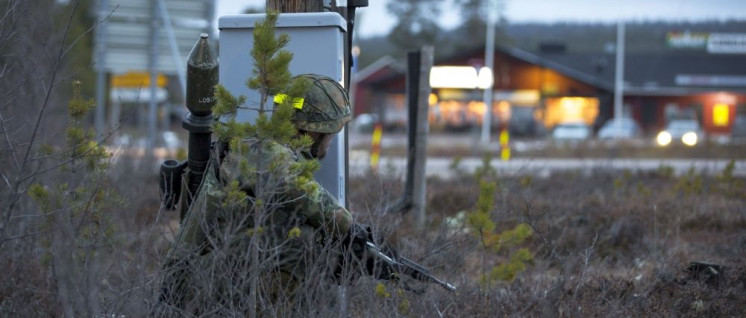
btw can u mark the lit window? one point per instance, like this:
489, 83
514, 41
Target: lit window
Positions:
720, 115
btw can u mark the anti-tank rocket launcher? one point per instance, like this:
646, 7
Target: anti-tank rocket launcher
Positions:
202, 76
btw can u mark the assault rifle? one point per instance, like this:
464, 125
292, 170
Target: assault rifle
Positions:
393, 266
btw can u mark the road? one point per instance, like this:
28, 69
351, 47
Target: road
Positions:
541, 167
441, 166
545, 167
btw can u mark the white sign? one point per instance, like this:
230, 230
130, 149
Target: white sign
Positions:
135, 95
727, 43
128, 31
687, 39
710, 80
460, 77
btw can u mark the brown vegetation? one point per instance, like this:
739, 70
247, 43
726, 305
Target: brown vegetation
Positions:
606, 244
92, 240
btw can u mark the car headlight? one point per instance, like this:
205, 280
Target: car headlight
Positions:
689, 139
664, 138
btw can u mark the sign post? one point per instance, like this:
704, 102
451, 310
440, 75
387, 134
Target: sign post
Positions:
145, 36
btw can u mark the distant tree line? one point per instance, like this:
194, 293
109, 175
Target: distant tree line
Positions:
642, 36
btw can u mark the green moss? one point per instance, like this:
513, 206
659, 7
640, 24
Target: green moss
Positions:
294, 233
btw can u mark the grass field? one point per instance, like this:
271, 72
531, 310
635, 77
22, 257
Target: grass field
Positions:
605, 245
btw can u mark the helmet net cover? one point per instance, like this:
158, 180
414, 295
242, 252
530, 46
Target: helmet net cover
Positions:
326, 107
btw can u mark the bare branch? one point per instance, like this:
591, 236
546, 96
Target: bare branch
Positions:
6, 181
99, 22
49, 89
7, 140
45, 104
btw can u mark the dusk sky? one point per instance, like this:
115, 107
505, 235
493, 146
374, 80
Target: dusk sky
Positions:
375, 20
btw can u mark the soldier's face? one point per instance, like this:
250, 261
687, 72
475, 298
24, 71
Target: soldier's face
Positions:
321, 143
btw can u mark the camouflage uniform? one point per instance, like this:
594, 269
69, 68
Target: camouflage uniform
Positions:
294, 223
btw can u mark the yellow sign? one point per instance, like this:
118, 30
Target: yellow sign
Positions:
297, 102
432, 99
136, 79
720, 115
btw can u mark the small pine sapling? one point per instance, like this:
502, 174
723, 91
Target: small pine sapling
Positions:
77, 232
503, 243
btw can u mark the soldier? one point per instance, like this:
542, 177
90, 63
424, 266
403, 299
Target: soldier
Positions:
297, 226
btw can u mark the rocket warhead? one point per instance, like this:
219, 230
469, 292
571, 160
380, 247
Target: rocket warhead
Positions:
202, 76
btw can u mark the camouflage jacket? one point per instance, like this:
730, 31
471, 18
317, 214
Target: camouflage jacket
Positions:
292, 218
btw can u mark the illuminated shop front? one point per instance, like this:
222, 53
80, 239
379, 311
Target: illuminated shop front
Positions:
716, 112
720, 111
560, 110
539, 90
461, 109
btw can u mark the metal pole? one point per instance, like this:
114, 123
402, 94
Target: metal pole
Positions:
103, 8
619, 75
212, 20
172, 43
347, 10
489, 57
153, 66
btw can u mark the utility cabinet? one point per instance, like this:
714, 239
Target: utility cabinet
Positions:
317, 43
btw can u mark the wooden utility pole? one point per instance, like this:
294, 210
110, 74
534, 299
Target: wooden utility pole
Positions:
420, 147
286, 6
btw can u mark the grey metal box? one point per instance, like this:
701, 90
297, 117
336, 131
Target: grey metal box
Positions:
317, 44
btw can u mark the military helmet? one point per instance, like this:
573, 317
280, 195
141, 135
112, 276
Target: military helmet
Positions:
326, 107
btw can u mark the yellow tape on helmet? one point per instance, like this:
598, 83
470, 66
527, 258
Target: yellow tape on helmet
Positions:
297, 102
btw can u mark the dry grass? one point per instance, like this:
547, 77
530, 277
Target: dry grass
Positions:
605, 244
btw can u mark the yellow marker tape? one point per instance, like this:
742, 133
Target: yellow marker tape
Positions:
376, 139
297, 102
505, 154
375, 146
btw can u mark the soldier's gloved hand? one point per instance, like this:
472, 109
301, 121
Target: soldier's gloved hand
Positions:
358, 236
353, 261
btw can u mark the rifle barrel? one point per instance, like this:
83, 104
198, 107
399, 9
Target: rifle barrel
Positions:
408, 267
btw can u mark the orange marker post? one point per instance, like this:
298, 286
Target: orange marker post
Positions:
504, 144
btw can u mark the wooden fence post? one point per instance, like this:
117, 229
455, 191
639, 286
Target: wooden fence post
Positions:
286, 6
423, 127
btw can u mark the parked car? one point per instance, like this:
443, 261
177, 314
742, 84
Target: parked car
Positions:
738, 131
364, 122
571, 131
685, 131
626, 128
